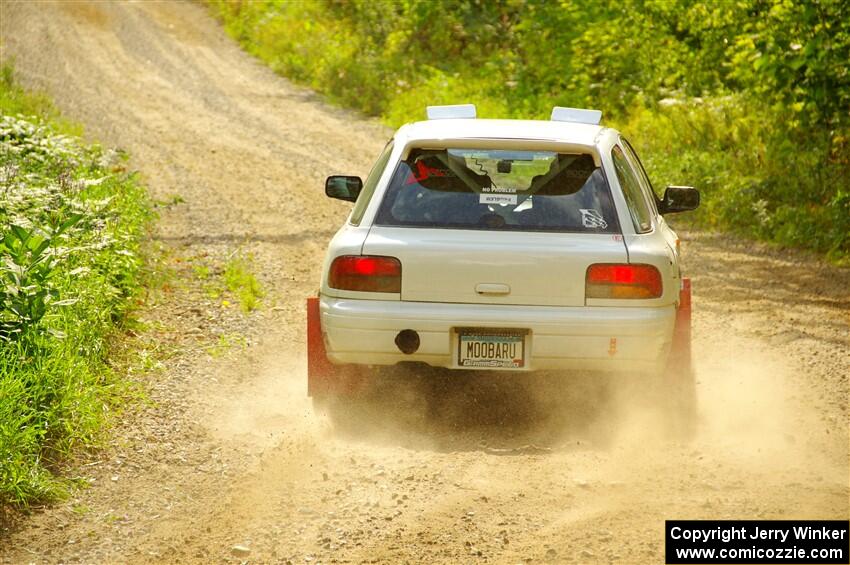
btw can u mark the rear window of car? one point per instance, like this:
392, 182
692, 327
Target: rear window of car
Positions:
492, 189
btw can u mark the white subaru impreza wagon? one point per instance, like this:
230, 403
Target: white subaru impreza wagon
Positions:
503, 245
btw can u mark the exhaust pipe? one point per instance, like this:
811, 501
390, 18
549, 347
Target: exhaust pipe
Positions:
407, 341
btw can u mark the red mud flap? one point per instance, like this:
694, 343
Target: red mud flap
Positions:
323, 377
680, 353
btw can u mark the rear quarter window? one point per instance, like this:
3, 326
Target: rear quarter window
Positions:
638, 206
492, 189
369, 186
643, 178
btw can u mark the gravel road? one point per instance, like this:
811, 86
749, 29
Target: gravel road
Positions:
228, 462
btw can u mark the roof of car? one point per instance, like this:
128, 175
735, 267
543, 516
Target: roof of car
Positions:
546, 130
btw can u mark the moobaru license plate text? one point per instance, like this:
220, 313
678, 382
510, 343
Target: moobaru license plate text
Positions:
477, 350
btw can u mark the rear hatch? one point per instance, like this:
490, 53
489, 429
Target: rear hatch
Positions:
493, 267
495, 226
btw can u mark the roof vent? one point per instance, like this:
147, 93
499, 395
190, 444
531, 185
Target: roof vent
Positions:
454, 112
578, 115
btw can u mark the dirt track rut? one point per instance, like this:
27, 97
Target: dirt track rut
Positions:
230, 452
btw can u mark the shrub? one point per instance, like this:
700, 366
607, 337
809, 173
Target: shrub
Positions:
71, 222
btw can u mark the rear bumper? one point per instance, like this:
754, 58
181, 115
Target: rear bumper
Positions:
580, 338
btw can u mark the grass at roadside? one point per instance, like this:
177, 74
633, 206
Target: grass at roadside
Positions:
72, 222
234, 280
240, 280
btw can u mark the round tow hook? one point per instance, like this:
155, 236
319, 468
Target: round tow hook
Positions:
407, 341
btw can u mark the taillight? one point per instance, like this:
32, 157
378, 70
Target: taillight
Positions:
606, 280
365, 273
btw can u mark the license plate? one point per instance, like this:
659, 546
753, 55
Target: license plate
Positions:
491, 348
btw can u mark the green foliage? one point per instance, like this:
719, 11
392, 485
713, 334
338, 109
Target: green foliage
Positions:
233, 279
241, 281
758, 179
225, 343
71, 223
748, 100
28, 289
795, 54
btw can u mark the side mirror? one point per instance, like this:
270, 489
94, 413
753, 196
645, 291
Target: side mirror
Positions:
679, 199
343, 187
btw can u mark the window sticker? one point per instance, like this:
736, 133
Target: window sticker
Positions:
591, 218
424, 172
500, 199
499, 189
